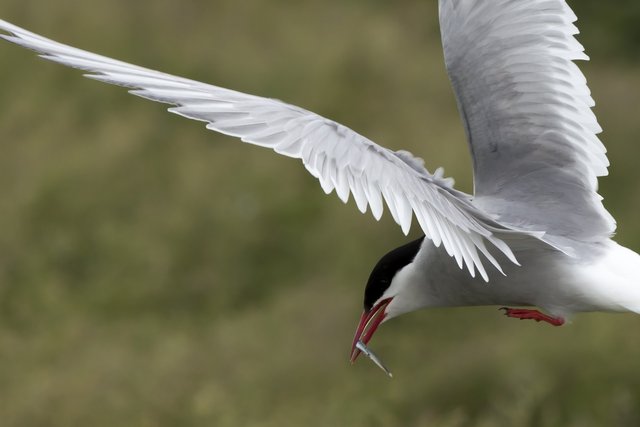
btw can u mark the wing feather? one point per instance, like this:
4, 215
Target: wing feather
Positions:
340, 158
527, 113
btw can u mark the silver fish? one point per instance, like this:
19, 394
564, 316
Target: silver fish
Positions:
363, 348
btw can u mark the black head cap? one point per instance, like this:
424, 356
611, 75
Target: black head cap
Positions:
386, 268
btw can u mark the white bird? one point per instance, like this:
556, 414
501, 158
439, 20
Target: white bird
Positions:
535, 215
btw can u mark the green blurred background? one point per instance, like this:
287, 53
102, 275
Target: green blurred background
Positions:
156, 274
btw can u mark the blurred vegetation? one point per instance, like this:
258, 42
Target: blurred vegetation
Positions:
610, 30
156, 274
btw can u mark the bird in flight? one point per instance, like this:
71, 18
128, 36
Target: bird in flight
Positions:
533, 234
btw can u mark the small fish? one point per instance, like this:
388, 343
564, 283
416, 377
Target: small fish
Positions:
363, 348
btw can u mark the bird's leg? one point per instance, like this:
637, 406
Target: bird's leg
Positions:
521, 313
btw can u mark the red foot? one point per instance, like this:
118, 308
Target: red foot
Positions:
521, 313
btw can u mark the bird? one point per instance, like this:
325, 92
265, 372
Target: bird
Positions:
534, 237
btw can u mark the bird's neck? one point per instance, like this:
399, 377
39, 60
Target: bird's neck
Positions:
420, 284
434, 279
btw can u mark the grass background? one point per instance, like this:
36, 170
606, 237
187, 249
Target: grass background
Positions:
156, 274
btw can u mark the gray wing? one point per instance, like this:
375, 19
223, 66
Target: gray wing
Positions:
527, 113
339, 157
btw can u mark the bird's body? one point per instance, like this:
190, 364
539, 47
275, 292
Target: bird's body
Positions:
604, 278
534, 233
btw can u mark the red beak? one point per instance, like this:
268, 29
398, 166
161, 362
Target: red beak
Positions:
369, 322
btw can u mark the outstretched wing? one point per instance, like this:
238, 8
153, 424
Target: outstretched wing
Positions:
527, 113
339, 157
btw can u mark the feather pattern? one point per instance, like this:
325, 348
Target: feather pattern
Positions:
527, 113
340, 158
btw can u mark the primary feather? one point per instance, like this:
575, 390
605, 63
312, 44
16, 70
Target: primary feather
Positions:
340, 158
